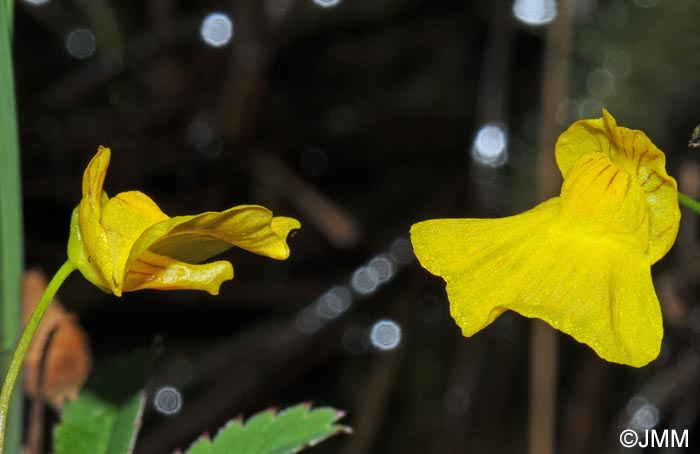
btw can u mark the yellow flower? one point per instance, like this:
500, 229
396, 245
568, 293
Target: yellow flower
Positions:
580, 261
127, 243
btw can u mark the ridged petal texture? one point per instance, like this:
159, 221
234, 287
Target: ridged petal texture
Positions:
580, 261
127, 243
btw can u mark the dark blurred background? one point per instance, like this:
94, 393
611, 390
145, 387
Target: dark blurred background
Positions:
359, 118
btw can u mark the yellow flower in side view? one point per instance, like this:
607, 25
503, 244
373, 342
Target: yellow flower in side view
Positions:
127, 243
581, 261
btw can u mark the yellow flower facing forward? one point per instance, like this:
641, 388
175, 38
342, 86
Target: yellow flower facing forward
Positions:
580, 261
127, 243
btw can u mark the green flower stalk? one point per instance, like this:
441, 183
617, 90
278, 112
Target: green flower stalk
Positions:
26, 340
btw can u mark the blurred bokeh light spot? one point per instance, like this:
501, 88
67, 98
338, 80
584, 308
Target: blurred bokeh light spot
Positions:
385, 335
618, 62
382, 268
334, 302
217, 29
600, 83
168, 400
535, 12
567, 112
277, 9
36, 2
327, 3
363, 281
201, 135
401, 251
643, 415
490, 145
309, 321
635, 403
80, 43
590, 108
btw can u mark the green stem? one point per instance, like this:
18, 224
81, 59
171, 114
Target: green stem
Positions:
689, 202
24, 342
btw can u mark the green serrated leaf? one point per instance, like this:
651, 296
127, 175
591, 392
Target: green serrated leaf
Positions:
286, 432
106, 416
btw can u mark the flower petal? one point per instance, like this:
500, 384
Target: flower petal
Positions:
93, 180
475, 257
600, 198
633, 152
124, 219
88, 245
158, 272
595, 288
193, 239
79, 257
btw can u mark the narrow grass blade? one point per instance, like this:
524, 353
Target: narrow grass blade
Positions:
11, 255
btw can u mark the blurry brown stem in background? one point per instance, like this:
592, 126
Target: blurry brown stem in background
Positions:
543, 346
338, 226
377, 391
258, 36
491, 107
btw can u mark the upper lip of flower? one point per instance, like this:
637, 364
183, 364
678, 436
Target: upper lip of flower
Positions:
633, 153
127, 243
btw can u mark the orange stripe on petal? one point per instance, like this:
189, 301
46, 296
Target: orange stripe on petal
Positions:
633, 152
124, 219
